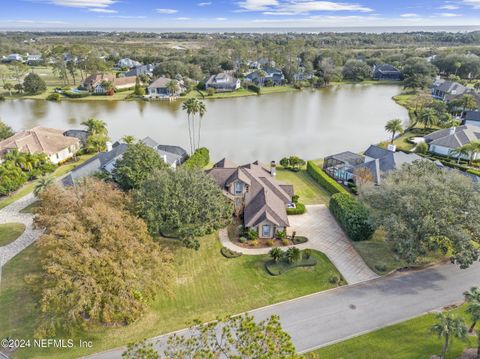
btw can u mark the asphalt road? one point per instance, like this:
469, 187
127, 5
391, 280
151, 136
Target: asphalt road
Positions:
328, 317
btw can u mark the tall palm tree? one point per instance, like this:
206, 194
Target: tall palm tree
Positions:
189, 107
459, 153
428, 117
201, 110
448, 327
172, 87
472, 297
42, 184
94, 126
473, 149
394, 126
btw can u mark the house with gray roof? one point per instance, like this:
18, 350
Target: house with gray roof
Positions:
446, 90
223, 82
443, 141
266, 76
386, 72
378, 161
471, 118
140, 70
258, 197
161, 88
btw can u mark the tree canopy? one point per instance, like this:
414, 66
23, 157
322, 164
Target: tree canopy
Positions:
5, 131
184, 203
425, 209
33, 84
99, 264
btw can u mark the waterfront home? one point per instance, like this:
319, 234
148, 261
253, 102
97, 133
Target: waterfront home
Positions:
128, 63
268, 76
49, 141
443, 141
105, 161
471, 118
258, 197
386, 72
446, 90
223, 82
92, 81
34, 59
376, 161
162, 87
119, 83
13, 57
140, 70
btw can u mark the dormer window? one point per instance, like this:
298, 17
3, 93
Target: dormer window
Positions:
238, 187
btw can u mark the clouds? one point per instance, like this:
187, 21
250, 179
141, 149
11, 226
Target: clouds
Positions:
294, 7
474, 3
103, 11
167, 11
410, 15
84, 3
203, 4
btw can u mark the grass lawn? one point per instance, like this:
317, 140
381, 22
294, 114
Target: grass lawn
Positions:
30, 186
206, 285
310, 192
31, 207
277, 89
407, 340
241, 92
10, 232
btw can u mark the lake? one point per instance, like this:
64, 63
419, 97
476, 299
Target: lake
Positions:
309, 123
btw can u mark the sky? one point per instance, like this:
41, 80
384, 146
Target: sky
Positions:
123, 14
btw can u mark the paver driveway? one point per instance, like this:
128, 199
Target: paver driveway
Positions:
325, 235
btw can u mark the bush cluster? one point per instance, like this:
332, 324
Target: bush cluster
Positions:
53, 97
254, 88
299, 239
352, 216
299, 209
199, 159
71, 94
323, 179
228, 253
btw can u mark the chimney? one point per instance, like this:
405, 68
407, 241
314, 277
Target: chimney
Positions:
273, 168
452, 130
165, 159
109, 146
392, 147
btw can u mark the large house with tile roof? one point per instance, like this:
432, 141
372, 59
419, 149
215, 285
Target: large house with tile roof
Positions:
443, 141
49, 141
259, 198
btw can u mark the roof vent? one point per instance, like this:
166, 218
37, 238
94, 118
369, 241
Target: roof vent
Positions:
452, 130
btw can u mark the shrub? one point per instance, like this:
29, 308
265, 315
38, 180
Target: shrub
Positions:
421, 147
381, 267
307, 253
2, 98
254, 88
281, 234
199, 159
251, 234
292, 163
323, 179
285, 242
352, 216
211, 91
71, 94
53, 97
270, 243
299, 209
334, 279
254, 243
295, 198
242, 240
474, 172
228, 253
299, 240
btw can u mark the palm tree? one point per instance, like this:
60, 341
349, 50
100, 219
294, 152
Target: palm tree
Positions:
276, 254
472, 297
172, 87
201, 110
292, 254
394, 126
447, 326
128, 139
42, 184
428, 117
189, 107
459, 152
95, 126
473, 149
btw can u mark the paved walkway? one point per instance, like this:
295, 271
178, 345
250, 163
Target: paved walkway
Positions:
324, 235
327, 317
11, 214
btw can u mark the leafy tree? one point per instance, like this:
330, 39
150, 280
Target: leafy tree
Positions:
276, 254
293, 163
185, 203
293, 254
425, 209
418, 73
137, 163
356, 70
9, 87
34, 84
18, 88
140, 350
99, 264
139, 89
394, 126
448, 327
11, 178
128, 139
5, 131
18, 70
465, 102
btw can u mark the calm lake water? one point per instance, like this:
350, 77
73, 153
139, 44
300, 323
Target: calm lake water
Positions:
310, 123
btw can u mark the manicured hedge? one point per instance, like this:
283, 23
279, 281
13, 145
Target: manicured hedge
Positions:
199, 159
54, 97
352, 216
76, 94
323, 179
228, 253
474, 172
283, 266
299, 209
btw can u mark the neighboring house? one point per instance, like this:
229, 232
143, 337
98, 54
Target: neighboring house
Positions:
13, 57
49, 141
92, 81
160, 88
119, 83
34, 59
223, 82
302, 75
258, 197
386, 72
446, 90
126, 62
471, 118
140, 70
105, 161
262, 77
346, 166
443, 141
82, 135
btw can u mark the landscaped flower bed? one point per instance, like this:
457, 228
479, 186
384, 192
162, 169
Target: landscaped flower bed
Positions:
283, 266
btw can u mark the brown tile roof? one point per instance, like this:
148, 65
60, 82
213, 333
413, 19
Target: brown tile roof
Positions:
124, 81
266, 198
93, 80
38, 140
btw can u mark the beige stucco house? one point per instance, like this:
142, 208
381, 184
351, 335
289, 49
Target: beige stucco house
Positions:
258, 197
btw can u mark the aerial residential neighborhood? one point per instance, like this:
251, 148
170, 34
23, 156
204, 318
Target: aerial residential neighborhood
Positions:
240, 179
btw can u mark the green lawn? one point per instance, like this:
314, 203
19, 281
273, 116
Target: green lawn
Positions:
310, 192
206, 285
30, 186
407, 340
277, 89
31, 207
10, 232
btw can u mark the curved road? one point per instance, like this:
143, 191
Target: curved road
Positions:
328, 317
